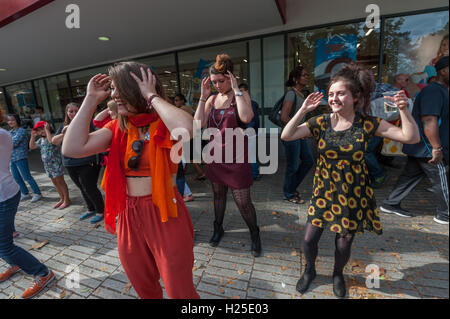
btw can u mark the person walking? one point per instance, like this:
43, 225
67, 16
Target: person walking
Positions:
84, 172
342, 200
51, 158
429, 156
17, 257
155, 236
19, 159
229, 109
299, 159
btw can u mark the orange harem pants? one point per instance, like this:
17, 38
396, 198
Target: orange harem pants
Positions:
150, 249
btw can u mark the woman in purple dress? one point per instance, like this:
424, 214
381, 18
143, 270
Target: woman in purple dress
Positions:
229, 110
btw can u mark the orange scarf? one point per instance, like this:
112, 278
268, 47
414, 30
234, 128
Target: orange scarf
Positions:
161, 168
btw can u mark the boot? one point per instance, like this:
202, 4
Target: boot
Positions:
339, 285
217, 236
306, 279
256, 243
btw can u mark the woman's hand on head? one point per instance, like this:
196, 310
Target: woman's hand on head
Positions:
148, 83
99, 87
206, 88
312, 102
234, 84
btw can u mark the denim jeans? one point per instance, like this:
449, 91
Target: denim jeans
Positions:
12, 254
373, 166
21, 173
296, 151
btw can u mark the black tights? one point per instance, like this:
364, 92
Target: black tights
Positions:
243, 202
342, 253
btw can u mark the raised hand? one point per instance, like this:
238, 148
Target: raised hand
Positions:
148, 83
99, 87
312, 102
401, 100
206, 88
234, 84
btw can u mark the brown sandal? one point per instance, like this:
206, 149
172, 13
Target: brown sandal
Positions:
295, 200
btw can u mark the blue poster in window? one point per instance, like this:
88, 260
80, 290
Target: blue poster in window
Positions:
332, 54
195, 90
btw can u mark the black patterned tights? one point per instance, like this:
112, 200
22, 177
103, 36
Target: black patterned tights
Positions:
310, 248
243, 202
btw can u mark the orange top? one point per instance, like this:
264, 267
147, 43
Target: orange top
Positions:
156, 154
144, 164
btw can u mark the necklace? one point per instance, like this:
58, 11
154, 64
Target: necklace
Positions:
222, 112
298, 92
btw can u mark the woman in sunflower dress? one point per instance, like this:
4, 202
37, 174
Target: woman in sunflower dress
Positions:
342, 199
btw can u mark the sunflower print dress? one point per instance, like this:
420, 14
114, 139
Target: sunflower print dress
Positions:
342, 200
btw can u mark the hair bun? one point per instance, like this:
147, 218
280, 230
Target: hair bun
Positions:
223, 62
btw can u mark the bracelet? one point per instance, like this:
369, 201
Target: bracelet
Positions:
439, 149
149, 101
202, 100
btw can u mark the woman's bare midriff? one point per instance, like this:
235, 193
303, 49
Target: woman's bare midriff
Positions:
142, 186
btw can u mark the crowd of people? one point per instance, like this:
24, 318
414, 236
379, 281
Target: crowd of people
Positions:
145, 191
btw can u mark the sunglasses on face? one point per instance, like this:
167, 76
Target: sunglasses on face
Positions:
134, 161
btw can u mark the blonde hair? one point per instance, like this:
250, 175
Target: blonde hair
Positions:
112, 106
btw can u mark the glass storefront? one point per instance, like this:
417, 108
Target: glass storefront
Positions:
22, 101
413, 44
194, 64
408, 44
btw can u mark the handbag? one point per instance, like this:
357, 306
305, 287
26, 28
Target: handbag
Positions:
392, 148
275, 113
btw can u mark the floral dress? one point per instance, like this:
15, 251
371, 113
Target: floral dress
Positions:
342, 200
51, 158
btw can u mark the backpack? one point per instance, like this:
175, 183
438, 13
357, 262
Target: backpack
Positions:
275, 113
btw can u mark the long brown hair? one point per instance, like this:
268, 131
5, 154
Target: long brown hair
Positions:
128, 88
66, 117
1, 115
360, 82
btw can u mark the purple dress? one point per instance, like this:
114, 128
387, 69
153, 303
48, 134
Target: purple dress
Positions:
238, 173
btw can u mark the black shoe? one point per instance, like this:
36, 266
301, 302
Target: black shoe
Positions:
256, 243
441, 219
217, 236
306, 279
339, 285
395, 210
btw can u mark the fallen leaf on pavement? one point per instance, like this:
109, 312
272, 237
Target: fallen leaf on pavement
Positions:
294, 253
62, 294
240, 272
276, 214
221, 290
39, 245
236, 297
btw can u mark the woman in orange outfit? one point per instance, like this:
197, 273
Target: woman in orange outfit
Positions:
154, 229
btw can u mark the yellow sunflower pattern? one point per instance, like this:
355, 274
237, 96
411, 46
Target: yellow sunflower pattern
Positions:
342, 199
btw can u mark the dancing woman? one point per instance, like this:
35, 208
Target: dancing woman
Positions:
342, 200
229, 109
154, 229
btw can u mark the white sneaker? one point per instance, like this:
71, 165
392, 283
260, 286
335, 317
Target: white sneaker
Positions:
23, 197
35, 198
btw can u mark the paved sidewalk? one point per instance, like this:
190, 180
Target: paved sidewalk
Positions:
412, 254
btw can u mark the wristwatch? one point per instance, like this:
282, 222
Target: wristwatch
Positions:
238, 93
439, 149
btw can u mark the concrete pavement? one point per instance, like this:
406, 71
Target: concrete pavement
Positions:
411, 255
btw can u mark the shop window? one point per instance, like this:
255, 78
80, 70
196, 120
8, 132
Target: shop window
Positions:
412, 45
23, 103
194, 65
324, 51
59, 95
79, 81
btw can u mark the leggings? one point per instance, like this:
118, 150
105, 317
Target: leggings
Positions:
86, 178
